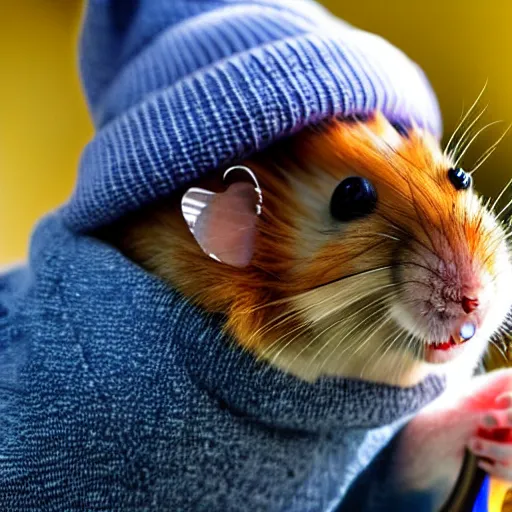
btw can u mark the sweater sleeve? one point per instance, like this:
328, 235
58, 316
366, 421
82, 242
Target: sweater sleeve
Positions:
376, 490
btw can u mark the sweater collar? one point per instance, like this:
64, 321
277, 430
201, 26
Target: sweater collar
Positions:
196, 344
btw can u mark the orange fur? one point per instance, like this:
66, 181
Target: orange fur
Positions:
298, 247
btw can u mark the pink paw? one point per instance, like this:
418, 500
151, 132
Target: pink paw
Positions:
493, 439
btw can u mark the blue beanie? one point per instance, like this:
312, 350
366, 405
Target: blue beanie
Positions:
178, 88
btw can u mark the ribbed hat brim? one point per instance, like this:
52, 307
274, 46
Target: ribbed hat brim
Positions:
156, 137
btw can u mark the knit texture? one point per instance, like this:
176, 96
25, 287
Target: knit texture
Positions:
117, 395
179, 88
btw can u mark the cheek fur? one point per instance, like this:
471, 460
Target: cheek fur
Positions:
282, 299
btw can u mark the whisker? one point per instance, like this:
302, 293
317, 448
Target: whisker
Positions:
489, 152
383, 322
405, 347
338, 308
276, 343
396, 333
453, 153
391, 237
412, 345
418, 213
329, 327
424, 267
481, 161
502, 193
344, 305
287, 300
464, 119
355, 328
504, 209
407, 235
285, 317
470, 143
300, 327
364, 336
346, 319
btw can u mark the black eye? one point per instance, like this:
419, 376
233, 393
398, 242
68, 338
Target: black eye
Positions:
459, 178
353, 198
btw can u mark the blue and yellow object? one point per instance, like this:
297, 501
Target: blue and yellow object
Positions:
491, 496
482, 503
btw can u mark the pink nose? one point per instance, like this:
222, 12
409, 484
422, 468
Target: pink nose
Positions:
469, 305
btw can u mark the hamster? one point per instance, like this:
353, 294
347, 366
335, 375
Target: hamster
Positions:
410, 278
356, 249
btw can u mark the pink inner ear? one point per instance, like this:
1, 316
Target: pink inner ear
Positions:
226, 227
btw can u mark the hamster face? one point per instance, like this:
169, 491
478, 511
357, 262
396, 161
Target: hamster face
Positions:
420, 277
374, 258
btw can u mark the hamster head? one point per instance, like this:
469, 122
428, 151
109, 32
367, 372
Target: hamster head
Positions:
418, 274
374, 258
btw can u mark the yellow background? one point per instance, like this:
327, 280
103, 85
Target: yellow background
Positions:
44, 123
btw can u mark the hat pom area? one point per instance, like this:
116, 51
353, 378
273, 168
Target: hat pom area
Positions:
178, 88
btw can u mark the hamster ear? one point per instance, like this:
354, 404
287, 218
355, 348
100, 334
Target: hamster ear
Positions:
224, 225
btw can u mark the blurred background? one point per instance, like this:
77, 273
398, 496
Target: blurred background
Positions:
44, 122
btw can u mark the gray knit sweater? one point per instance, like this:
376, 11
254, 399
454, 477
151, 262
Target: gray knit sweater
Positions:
117, 394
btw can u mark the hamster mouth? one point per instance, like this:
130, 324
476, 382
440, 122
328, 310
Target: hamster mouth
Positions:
439, 353
445, 350
444, 345
439, 343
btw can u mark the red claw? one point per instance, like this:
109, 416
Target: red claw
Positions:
501, 435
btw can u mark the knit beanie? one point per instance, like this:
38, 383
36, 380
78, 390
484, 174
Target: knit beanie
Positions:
179, 88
